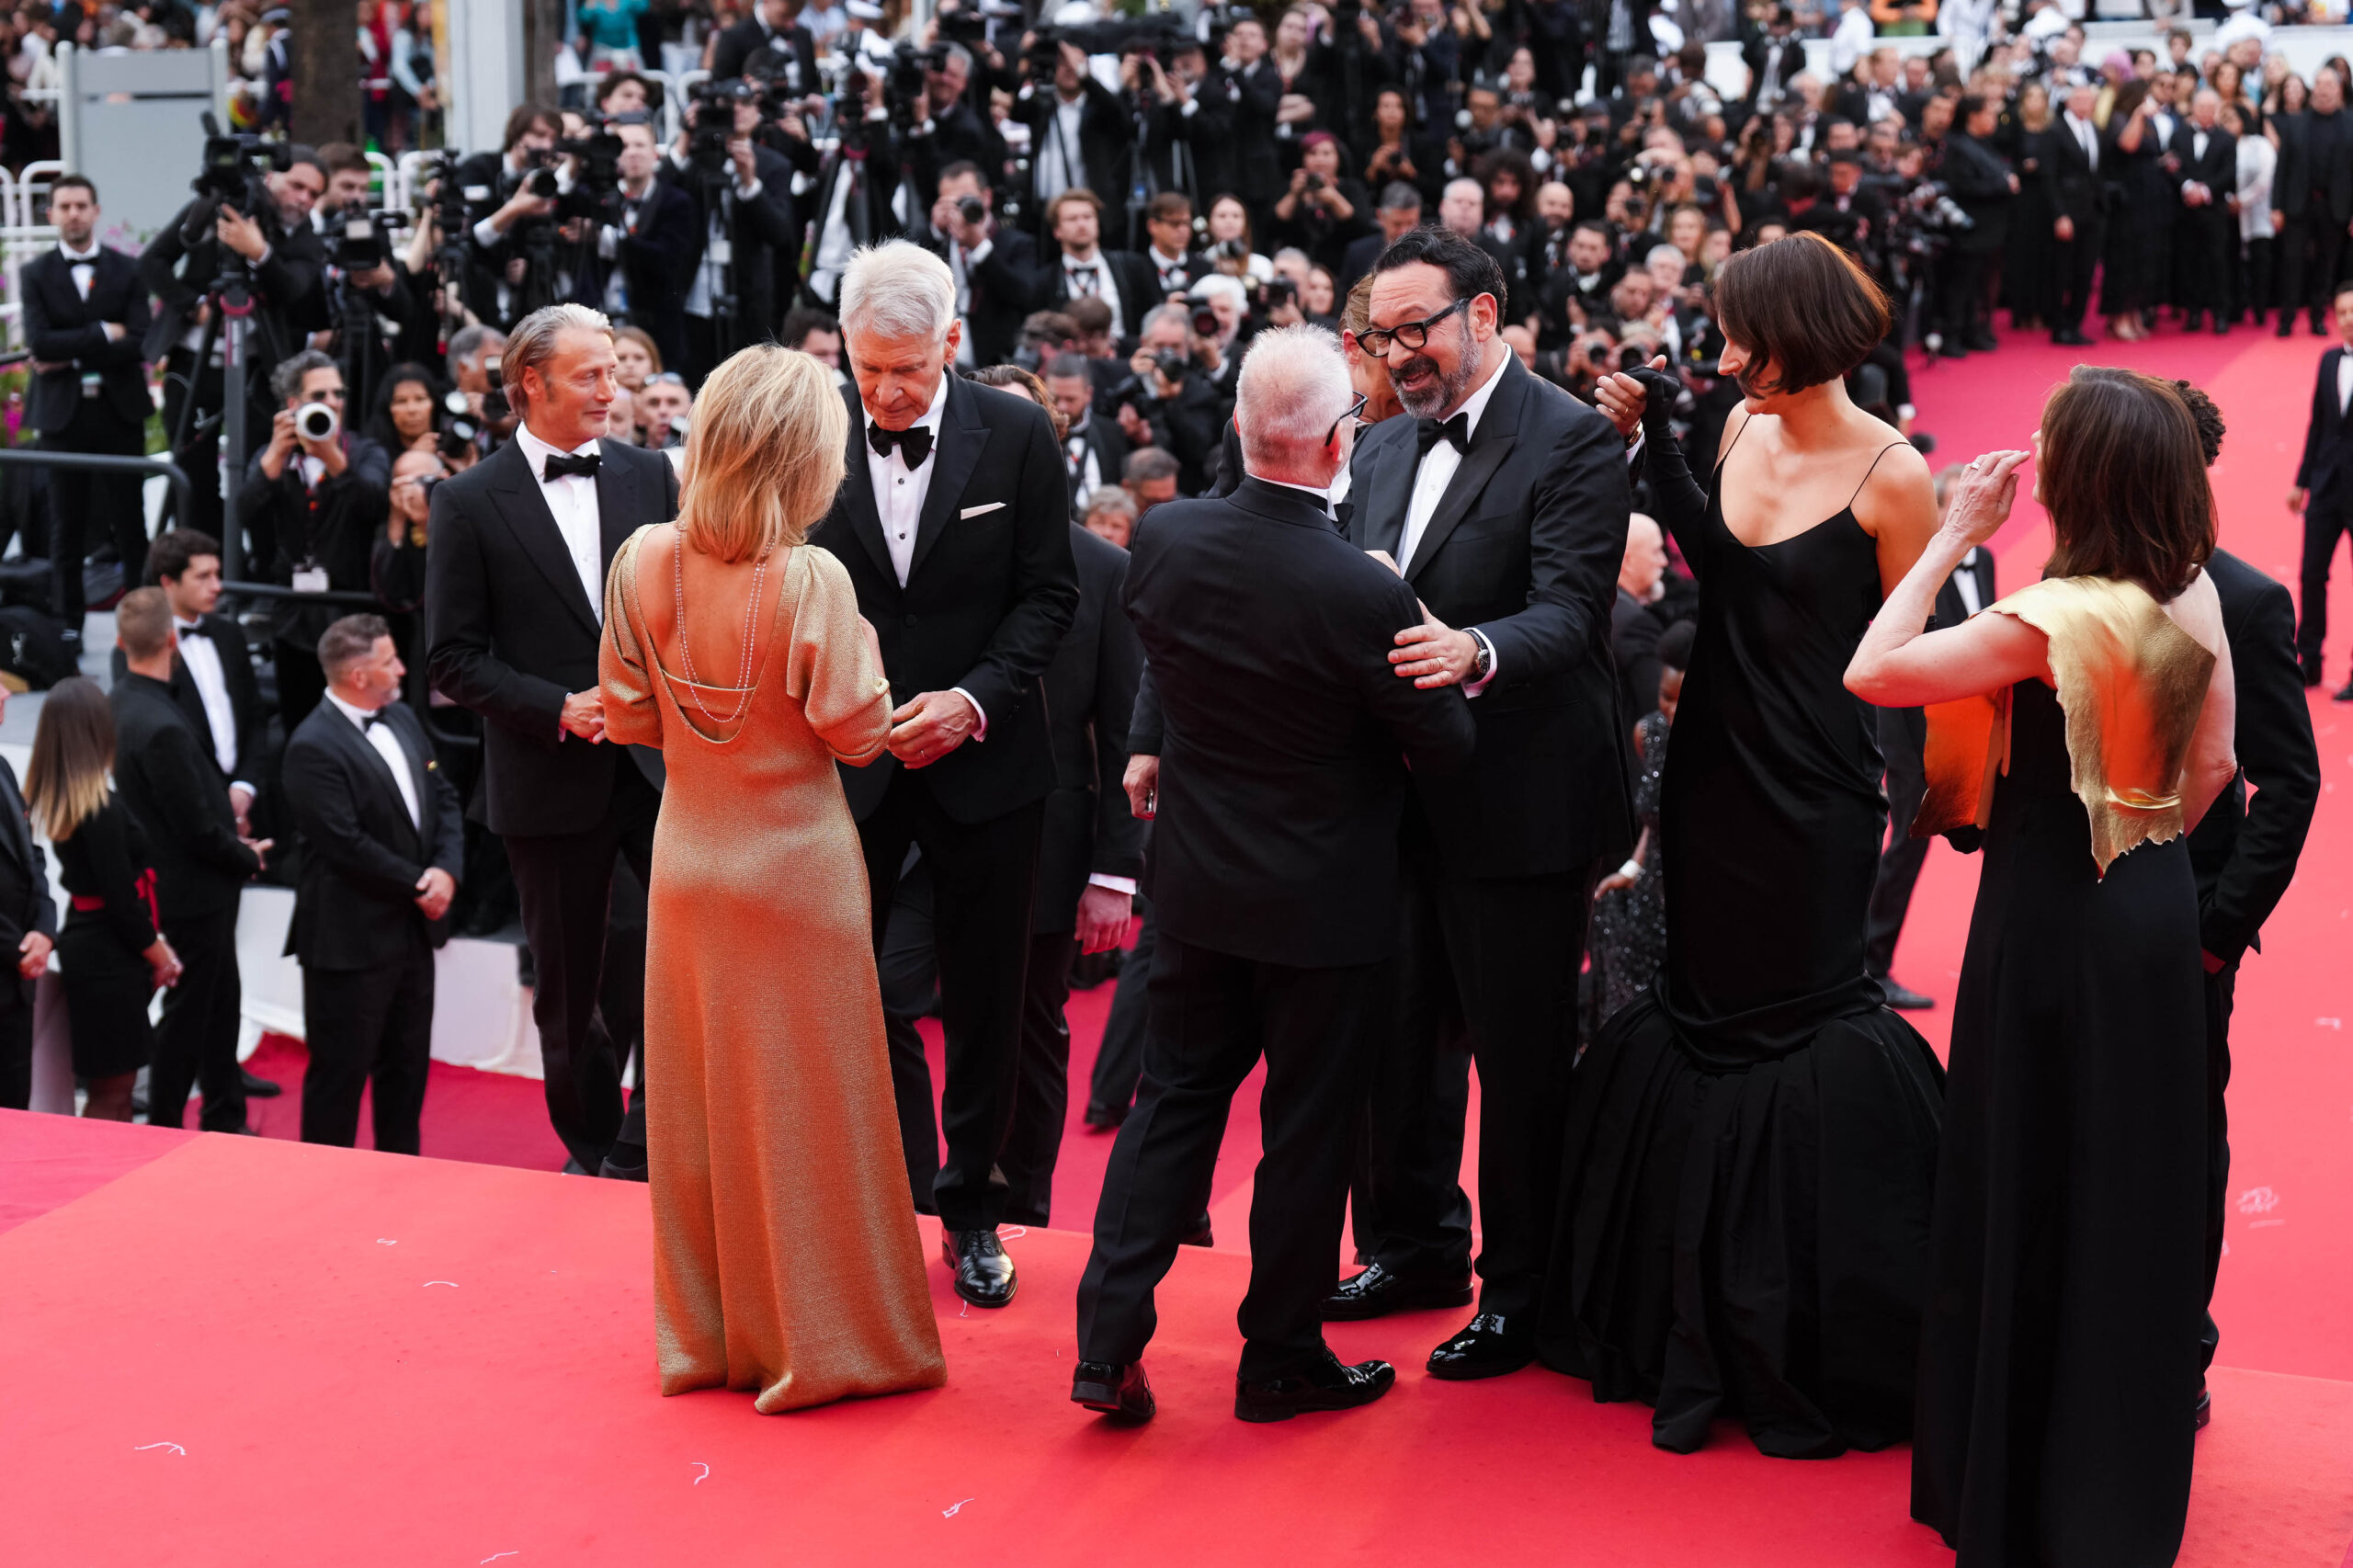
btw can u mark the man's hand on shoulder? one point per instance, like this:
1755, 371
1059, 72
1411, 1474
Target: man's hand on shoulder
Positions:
1433, 654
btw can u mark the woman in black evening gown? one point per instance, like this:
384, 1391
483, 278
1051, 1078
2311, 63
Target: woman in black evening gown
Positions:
2087, 726
1744, 1219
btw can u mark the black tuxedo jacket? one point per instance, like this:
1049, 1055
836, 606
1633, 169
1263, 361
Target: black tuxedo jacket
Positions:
1138, 282
2307, 168
1951, 609
1284, 736
2218, 171
758, 231
513, 633
990, 591
2076, 189
244, 695
165, 773
1002, 283
1104, 132
1090, 698
25, 903
2245, 852
1106, 440
63, 328
2326, 468
748, 38
355, 906
1525, 546
1240, 153
653, 257
288, 282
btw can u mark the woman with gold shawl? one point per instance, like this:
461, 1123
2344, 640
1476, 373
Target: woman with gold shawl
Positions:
2085, 726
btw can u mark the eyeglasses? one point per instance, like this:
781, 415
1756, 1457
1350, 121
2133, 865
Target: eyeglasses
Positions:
666, 378
1354, 409
1413, 334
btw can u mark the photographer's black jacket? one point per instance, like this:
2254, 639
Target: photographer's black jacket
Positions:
762, 233
1105, 131
290, 297
652, 251
334, 526
738, 44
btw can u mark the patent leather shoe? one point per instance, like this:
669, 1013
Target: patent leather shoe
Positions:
1122, 1391
1486, 1347
1376, 1292
1903, 998
2345, 693
258, 1087
1327, 1385
1200, 1235
983, 1273
2205, 1411
2071, 337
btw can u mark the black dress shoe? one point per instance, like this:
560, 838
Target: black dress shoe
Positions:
1200, 1235
2191, 319
2221, 327
2308, 665
574, 1167
2205, 1411
1903, 998
2069, 337
1485, 1349
1376, 1292
1983, 343
2286, 325
2345, 693
258, 1087
1951, 349
1103, 1119
983, 1273
1328, 1385
1122, 1391
613, 1170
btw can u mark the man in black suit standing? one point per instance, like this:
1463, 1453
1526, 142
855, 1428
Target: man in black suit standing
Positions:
166, 774
770, 27
384, 848
1272, 752
87, 323
1077, 267
742, 220
2324, 490
1094, 447
637, 268
2077, 195
28, 929
1079, 133
2209, 229
1505, 503
515, 595
994, 266
2312, 192
954, 523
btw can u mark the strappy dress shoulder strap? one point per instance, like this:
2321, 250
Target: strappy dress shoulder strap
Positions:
1726, 457
1871, 470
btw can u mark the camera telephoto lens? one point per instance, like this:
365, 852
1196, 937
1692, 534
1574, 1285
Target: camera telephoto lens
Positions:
972, 210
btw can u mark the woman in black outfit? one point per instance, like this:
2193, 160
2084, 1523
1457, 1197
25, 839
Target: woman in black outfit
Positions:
2029, 262
109, 952
2132, 158
407, 411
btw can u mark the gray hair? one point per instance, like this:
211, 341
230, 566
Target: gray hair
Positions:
1293, 385
1111, 498
532, 346
286, 380
472, 342
1659, 253
1158, 313
898, 290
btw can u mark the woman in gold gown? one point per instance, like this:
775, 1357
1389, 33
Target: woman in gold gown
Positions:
786, 1260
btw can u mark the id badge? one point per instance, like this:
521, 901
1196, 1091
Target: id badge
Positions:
723, 250
310, 579
93, 383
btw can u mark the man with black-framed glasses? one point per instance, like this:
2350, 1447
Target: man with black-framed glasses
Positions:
1503, 502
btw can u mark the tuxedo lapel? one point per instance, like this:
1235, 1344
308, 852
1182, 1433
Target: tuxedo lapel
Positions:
1498, 432
15, 832
1380, 493
619, 503
526, 513
857, 492
962, 435
371, 764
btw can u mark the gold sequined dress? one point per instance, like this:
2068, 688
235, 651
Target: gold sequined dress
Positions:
786, 1259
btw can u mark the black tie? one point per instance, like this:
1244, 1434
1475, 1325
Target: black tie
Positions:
373, 720
913, 443
1428, 433
562, 465
199, 629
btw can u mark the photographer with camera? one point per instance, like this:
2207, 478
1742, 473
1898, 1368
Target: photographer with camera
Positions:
743, 205
1173, 396
1980, 181
994, 266
632, 261
773, 30
1079, 133
313, 505
1325, 210
948, 128
1243, 94
249, 224
504, 193
850, 198
374, 310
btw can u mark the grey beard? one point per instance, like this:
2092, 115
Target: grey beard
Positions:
1451, 390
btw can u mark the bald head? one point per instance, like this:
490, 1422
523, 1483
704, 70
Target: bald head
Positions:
1645, 566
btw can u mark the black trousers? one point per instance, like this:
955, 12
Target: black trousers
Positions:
2203, 244
2221, 991
80, 501
1961, 303
1501, 954
909, 971
15, 1052
1118, 1060
1903, 731
982, 878
2325, 524
2310, 248
1213, 1016
197, 1041
368, 1026
1041, 1091
2074, 261
565, 884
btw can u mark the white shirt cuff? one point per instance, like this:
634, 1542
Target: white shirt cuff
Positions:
1473, 687
748, 192
981, 731
1116, 884
240, 784
1636, 449
979, 253
486, 234
1192, 106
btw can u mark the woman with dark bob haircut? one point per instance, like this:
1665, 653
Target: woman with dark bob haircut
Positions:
2089, 727
1744, 1220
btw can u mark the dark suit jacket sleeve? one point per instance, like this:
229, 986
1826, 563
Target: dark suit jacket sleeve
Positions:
2277, 755
1045, 583
1576, 540
2323, 390
289, 277
1437, 736
457, 607
326, 811
44, 906
158, 272
769, 215
1118, 667
50, 341
656, 251
181, 776
1144, 729
449, 820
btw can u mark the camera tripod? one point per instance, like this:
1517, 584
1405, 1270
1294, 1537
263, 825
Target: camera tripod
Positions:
230, 320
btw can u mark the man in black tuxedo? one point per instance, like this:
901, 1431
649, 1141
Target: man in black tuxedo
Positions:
383, 845
954, 523
1075, 267
28, 929
1094, 449
1079, 133
2207, 231
772, 27
1272, 752
994, 266
2312, 192
1902, 734
1243, 91
1505, 503
515, 597
498, 197
86, 323
1399, 214
742, 220
638, 268
165, 773
2077, 193
2324, 490
1168, 249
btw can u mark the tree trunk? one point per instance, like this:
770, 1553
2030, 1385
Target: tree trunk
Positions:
326, 73
543, 35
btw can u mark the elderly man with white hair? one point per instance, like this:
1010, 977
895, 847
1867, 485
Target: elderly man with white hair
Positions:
954, 522
1272, 751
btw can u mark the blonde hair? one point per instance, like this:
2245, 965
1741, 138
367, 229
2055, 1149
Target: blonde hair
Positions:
65, 783
764, 454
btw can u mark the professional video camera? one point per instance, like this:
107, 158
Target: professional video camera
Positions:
1159, 35
711, 117
234, 174
596, 192
359, 238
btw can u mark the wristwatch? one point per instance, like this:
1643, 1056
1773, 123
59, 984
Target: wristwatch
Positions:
1483, 660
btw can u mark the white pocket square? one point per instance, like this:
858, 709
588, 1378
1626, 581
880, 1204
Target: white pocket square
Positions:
986, 507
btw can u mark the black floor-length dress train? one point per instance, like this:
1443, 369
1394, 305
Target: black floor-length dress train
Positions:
1743, 1223
2059, 1360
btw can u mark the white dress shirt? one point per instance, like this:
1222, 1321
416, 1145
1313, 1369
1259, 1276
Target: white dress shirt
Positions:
1964, 581
388, 746
1060, 164
2344, 381
203, 661
85, 263
2087, 137
1104, 289
572, 501
899, 492
1437, 471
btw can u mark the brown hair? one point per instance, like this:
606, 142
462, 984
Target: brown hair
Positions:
143, 622
642, 339
764, 454
65, 784
1075, 193
1014, 378
348, 641
1803, 307
2124, 480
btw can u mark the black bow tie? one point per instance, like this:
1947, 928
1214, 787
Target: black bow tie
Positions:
562, 465
370, 721
913, 442
1428, 433
199, 629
